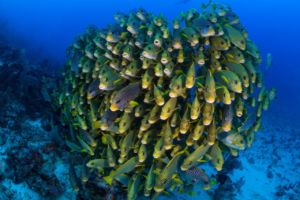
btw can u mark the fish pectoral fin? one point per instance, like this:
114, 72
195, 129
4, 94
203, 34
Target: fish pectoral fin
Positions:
133, 103
108, 179
225, 79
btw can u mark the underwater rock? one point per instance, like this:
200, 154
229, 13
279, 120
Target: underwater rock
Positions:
141, 99
31, 160
29, 151
25, 84
22, 163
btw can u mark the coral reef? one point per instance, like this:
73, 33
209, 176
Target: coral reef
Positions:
30, 86
148, 105
31, 145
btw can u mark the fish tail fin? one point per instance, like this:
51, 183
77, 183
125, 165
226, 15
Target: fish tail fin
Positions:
108, 179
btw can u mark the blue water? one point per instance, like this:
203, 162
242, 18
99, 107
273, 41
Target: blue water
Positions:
46, 27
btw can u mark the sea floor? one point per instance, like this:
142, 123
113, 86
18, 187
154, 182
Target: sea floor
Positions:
270, 169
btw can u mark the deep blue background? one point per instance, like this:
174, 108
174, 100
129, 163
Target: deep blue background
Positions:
46, 27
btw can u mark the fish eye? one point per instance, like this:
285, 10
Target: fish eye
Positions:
124, 123
236, 82
242, 42
222, 43
207, 26
239, 55
224, 95
118, 101
168, 110
245, 78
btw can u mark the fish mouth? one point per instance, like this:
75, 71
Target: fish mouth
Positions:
161, 103
163, 117
121, 131
131, 29
239, 114
102, 86
146, 193
221, 13
239, 90
221, 32
183, 168
172, 94
104, 127
243, 47
120, 160
226, 128
109, 38
177, 45
156, 42
112, 164
194, 117
214, 20
158, 189
125, 55
241, 148
113, 107
164, 61
246, 84
194, 42
151, 121
167, 72
206, 122
210, 100
218, 168
206, 187
149, 33
201, 62
156, 155
144, 142
208, 33
148, 55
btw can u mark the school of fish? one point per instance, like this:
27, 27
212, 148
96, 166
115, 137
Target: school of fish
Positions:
149, 102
